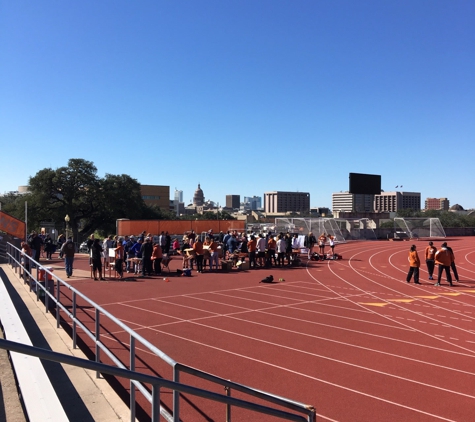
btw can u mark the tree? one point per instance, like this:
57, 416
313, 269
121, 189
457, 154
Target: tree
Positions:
73, 190
92, 204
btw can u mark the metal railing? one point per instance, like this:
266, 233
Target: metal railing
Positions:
54, 290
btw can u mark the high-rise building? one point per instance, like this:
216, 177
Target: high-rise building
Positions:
233, 201
395, 201
352, 202
283, 202
253, 202
437, 204
178, 195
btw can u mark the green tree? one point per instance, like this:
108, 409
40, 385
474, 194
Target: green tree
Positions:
73, 190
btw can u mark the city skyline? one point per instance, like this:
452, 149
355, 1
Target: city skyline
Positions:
249, 96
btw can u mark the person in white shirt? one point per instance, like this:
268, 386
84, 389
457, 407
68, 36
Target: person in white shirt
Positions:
261, 250
281, 248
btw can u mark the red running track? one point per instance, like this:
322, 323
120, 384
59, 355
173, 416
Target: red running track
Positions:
349, 337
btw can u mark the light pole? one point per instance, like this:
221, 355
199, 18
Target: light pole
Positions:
67, 219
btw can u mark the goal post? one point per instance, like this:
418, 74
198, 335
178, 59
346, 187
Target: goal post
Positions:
418, 227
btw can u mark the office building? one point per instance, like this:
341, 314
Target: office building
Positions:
395, 201
437, 204
233, 201
285, 202
352, 202
156, 195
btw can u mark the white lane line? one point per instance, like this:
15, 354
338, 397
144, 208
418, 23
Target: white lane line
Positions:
312, 378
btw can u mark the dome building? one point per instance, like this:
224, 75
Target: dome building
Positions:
198, 197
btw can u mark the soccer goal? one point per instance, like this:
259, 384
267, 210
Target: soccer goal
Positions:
302, 226
357, 228
418, 227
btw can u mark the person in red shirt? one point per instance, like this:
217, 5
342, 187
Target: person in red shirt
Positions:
414, 264
157, 256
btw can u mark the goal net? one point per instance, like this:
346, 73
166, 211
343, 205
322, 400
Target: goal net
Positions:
357, 228
302, 226
418, 227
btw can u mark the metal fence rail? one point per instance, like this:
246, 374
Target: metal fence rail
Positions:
22, 264
157, 383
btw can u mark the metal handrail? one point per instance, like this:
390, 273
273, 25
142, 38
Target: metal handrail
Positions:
156, 382
14, 256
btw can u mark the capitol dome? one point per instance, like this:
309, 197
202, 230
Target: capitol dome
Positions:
198, 197
456, 207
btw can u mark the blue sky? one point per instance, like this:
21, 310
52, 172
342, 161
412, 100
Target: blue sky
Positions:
243, 96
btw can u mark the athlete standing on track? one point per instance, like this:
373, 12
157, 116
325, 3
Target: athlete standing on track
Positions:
452, 262
443, 260
430, 257
414, 264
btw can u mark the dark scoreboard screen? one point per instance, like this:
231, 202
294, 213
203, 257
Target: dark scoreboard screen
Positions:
368, 184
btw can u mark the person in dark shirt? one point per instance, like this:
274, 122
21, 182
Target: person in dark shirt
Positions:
146, 250
96, 257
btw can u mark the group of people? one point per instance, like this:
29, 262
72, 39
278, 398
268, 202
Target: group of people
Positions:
261, 250
311, 241
444, 258
34, 244
143, 254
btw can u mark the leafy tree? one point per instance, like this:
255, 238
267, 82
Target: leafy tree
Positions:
73, 190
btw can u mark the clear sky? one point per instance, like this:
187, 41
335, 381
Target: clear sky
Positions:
242, 96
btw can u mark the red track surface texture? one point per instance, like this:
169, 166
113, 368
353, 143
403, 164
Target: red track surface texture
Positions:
349, 337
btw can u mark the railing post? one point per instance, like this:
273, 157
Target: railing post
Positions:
132, 385
58, 319
228, 406
156, 403
176, 394
98, 335
74, 321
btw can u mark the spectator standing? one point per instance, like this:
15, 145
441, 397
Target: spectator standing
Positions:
68, 250
175, 246
60, 241
251, 247
430, 259
184, 253
213, 258
49, 247
261, 250
25, 258
119, 258
146, 250
443, 260
198, 248
288, 248
96, 257
89, 243
414, 264
157, 256
136, 250
309, 243
281, 249
271, 245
